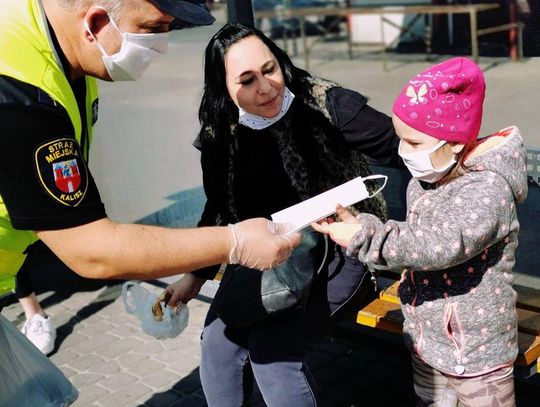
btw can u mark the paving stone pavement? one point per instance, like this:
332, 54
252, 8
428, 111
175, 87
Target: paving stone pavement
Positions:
105, 354
103, 351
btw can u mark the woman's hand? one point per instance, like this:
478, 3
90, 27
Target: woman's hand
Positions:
184, 289
340, 232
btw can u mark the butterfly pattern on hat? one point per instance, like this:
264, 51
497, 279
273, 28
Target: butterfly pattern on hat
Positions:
417, 97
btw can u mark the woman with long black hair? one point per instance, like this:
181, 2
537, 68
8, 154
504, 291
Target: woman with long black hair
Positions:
271, 136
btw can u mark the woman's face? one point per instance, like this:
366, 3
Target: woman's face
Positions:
254, 78
413, 140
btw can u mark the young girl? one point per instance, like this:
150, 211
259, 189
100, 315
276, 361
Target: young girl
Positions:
457, 245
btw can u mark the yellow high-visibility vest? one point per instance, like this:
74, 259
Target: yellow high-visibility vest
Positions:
28, 55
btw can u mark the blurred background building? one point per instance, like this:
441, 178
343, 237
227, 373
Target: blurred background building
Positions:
450, 33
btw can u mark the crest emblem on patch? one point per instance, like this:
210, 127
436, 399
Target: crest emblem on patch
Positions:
66, 175
62, 171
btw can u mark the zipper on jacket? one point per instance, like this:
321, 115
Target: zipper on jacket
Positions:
420, 339
373, 277
450, 316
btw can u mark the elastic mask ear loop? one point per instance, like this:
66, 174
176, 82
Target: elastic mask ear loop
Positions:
326, 246
113, 22
101, 49
376, 177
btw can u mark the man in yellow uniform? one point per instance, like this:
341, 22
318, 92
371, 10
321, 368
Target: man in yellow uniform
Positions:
50, 53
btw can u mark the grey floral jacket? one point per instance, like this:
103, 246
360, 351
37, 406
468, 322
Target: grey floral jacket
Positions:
457, 249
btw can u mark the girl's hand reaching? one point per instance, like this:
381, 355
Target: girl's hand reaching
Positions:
340, 232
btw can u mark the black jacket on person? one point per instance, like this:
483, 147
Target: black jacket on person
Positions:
324, 140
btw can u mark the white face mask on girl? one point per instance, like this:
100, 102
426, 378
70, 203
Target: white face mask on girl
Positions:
420, 166
135, 55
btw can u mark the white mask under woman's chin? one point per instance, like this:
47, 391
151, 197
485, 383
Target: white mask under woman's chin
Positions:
135, 55
420, 166
256, 122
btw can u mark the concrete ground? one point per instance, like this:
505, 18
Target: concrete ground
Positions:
146, 169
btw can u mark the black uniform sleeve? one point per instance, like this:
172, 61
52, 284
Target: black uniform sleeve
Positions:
364, 128
209, 215
44, 180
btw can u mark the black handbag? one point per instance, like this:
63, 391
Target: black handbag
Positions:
248, 296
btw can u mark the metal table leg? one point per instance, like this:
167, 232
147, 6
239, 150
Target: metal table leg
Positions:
304, 42
427, 35
474, 35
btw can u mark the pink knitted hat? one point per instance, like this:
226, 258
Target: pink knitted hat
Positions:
444, 101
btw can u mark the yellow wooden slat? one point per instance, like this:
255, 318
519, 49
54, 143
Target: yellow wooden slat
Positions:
221, 271
390, 294
381, 314
366, 319
529, 349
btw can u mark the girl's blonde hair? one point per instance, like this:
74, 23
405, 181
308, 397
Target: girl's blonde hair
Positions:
460, 168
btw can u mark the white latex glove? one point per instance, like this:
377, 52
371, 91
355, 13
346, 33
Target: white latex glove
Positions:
261, 244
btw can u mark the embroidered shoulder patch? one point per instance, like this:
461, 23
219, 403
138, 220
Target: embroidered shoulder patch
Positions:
62, 171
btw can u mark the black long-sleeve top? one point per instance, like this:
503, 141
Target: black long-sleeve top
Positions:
262, 186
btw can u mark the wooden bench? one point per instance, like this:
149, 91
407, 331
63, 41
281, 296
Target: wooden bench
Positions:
384, 312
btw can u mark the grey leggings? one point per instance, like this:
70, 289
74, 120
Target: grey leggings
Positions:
435, 389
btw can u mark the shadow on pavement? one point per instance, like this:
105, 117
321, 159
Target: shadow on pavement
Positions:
350, 370
49, 274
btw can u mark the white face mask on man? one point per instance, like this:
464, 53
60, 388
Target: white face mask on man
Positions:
135, 55
420, 166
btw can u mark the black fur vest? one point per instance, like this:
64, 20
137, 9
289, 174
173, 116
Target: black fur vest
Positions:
314, 155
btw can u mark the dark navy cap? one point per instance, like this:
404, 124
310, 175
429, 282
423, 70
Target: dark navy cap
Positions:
187, 13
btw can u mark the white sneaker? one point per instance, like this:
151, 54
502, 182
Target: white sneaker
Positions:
41, 332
